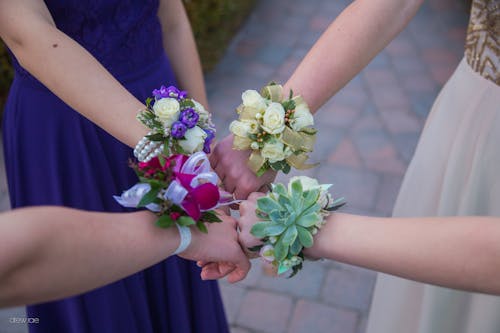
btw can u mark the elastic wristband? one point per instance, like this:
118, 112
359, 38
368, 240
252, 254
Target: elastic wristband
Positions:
185, 234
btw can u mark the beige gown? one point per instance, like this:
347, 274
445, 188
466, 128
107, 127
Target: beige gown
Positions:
455, 171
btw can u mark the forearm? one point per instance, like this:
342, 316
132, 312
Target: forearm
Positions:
68, 70
457, 252
357, 35
53, 252
180, 46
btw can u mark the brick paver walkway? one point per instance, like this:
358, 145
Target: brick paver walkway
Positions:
367, 134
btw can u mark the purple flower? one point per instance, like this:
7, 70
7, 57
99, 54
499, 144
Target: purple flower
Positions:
182, 94
189, 117
170, 91
208, 140
178, 130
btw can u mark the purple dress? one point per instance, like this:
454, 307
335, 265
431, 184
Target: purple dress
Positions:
54, 156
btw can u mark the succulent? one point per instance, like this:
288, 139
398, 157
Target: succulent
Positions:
289, 219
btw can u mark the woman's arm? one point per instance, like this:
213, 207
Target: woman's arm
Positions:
356, 36
455, 252
68, 70
360, 32
180, 46
48, 253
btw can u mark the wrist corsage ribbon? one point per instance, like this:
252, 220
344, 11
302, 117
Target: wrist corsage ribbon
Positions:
290, 217
278, 131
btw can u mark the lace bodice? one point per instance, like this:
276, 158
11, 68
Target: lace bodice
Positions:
482, 46
124, 35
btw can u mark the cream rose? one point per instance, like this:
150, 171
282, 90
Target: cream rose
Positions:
252, 99
273, 151
239, 128
202, 112
167, 110
253, 126
302, 118
309, 183
273, 121
194, 140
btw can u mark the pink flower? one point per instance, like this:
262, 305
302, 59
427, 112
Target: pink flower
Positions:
175, 215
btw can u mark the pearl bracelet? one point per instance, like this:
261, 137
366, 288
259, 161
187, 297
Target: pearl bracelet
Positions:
185, 234
146, 149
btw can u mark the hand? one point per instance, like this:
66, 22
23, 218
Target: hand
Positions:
220, 250
231, 166
247, 220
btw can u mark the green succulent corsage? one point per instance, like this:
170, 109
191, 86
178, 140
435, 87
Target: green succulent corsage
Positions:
290, 217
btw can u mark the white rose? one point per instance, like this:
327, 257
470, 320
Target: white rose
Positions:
167, 110
239, 128
202, 112
273, 121
302, 117
273, 151
251, 98
253, 125
309, 183
267, 253
194, 140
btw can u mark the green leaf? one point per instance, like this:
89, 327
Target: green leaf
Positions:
149, 197
202, 227
296, 246
186, 103
312, 209
277, 216
274, 229
305, 237
311, 197
148, 101
290, 235
165, 221
280, 250
155, 183
291, 219
162, 160
279, 189
296, 190
155, 137
308, 220
335, 207
267, 205
284, 201
295, 270
210, 216
259, 229
166, 149
286, 168
282, 269
185, 221
262, 170
255, 248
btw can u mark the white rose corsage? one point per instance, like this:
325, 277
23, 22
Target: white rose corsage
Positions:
278, 131
179, 125
289, 219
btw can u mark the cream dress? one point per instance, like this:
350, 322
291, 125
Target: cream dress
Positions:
455, 171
